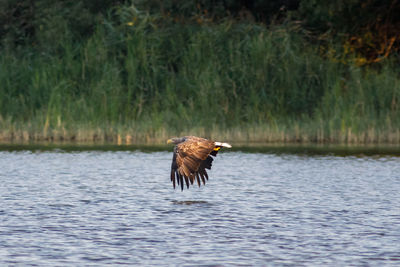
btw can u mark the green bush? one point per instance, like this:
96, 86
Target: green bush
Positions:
149, 77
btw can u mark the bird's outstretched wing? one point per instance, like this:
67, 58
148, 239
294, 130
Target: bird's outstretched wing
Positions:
190, 160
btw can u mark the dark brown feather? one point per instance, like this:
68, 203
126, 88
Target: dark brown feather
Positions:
191, 158
214, 153
187, 181
190, 155
173, 177
202, 178
192, 177
181, 179
198, 179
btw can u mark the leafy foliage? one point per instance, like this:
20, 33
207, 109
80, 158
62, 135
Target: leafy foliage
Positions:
159, 68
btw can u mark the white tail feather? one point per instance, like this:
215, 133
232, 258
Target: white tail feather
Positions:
223, 144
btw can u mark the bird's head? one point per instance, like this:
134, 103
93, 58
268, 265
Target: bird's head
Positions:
176, 140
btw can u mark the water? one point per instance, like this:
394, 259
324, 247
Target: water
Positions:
103, 208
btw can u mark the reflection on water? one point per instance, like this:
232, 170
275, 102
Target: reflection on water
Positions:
105, 208
189, 202
301, 149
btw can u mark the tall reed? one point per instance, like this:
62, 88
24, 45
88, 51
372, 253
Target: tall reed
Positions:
142, 82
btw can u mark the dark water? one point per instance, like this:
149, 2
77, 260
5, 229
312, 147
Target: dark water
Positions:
103, 208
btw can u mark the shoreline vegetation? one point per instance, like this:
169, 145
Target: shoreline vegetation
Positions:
140, 78
323, 149
259, 135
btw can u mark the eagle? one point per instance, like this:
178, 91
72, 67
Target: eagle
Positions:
191, 158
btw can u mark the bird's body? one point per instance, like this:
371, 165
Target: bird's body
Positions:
191, 158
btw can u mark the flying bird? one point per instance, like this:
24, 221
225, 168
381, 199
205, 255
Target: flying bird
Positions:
191, 158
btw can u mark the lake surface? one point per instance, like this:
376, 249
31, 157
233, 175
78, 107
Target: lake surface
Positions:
79, 208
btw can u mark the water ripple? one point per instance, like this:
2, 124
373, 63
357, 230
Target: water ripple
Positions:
106, 208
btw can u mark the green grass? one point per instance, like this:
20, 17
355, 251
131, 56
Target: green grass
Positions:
230, 81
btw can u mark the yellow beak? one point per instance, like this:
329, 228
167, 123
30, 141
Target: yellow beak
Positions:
169, 141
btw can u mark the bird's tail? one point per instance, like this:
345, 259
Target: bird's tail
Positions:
222, 144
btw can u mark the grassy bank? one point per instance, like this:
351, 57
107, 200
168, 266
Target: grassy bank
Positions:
139, 80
